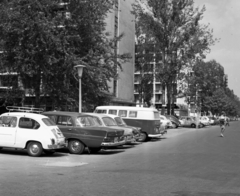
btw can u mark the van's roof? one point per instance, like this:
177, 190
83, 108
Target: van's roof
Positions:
96, 114
102, 115
127, 108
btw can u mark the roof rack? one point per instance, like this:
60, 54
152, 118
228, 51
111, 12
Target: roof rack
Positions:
24, 109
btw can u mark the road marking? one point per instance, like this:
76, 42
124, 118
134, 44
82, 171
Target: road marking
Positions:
65, 164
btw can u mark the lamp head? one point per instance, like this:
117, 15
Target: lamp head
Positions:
79, 69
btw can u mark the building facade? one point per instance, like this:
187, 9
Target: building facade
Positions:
150, 65
121, 21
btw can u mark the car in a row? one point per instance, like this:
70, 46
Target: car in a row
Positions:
189, 121
34, 132
46, 132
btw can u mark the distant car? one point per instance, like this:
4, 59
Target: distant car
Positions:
165, 122
212, 120
181, 121
189, 121
82, 130
175, 122
107, 120
31, 131
205, 120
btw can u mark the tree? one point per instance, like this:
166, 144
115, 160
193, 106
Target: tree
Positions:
143, 57
175, 28
43, 40
209, 83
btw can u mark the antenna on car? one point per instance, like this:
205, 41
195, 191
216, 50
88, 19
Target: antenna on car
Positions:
24, 109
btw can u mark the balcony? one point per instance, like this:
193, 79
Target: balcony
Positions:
158, 91
158, 101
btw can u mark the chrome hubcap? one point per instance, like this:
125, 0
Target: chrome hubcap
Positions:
75, 146
35, 148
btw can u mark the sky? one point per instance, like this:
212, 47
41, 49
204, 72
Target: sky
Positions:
223, 16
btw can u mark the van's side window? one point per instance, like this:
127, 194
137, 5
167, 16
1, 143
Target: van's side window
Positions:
133, 114
101, 111
122, 113
114, 112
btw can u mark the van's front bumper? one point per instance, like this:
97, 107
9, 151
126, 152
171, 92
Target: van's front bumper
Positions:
155, 135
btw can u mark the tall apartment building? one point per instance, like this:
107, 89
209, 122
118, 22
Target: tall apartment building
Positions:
158, 89
122, 21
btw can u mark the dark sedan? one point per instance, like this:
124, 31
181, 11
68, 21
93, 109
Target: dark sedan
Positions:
175, 122
82, 131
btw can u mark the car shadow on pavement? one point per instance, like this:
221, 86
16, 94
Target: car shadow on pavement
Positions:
23, 152
156, 139
106, 151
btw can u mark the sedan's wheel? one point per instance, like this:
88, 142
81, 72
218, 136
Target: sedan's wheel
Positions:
95, 150
193, 125
143, 137
49, 152
76, 147
34, 149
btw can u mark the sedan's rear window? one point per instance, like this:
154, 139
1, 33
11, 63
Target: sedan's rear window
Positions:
48, 122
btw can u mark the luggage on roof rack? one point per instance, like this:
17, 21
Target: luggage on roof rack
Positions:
24, 109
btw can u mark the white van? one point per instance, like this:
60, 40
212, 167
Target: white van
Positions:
146, 118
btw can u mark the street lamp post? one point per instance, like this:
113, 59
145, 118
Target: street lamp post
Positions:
198, 107
80, 71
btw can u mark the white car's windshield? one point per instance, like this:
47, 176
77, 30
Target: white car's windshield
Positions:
119, 121
109, 121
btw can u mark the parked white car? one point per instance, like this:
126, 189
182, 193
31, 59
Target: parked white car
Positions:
205, 120
212, 121
31, 131
189, 121
165, 122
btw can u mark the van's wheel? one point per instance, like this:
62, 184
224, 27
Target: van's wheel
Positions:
34, 149
193, 125
75, 147
143, 137
49, 152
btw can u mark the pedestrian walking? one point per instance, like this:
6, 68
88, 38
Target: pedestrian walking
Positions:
227, 121
222, 122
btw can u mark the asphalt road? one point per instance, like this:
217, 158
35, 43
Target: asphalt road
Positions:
186, 162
